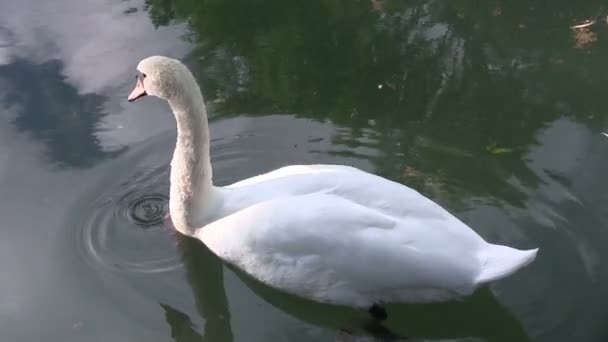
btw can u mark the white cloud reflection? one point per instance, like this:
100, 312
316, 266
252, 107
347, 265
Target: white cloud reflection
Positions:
98, 41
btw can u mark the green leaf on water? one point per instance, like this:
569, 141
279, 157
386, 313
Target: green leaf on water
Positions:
493, 149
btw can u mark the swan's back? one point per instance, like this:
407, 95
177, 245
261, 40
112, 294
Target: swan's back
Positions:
365, 189
326, 248
340, 235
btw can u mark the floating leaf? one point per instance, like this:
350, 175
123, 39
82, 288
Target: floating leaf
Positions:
493, 149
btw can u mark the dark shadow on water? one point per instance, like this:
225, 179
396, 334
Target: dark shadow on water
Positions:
53, 113
182, 329
480, 315
204, 272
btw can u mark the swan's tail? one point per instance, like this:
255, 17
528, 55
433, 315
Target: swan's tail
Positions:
502, 261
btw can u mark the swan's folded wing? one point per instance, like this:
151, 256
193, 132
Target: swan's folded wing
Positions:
366, 189
327, 248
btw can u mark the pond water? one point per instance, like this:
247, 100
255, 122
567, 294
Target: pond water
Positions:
494, 110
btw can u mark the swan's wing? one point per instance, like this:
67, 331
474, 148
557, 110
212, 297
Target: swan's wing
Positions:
327, 248
366, 189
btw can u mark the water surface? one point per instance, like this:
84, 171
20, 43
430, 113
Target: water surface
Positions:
493, 110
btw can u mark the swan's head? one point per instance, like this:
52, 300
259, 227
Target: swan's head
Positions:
163, 77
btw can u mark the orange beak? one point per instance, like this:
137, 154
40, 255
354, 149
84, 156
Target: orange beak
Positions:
138, 91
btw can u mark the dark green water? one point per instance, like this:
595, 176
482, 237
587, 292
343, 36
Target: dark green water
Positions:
493, 109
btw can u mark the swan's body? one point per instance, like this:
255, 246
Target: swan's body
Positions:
330, 233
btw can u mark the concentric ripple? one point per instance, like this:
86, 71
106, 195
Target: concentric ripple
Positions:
148, 211
123, 225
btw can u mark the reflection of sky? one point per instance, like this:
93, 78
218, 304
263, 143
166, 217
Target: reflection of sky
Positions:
61, 63
51, 111
563, 150
97, 41
563, 215
98, 45
566, 150
571, 161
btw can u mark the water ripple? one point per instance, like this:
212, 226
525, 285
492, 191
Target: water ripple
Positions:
121, 226
147, 211
124, 228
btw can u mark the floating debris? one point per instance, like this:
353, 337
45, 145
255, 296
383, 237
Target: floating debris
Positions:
587, 23
378, 6
493, 149
583, 37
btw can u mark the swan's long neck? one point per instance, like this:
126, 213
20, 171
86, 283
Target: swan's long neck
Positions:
191, 173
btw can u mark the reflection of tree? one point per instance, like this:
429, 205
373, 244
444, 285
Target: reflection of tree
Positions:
461, 74
53, 112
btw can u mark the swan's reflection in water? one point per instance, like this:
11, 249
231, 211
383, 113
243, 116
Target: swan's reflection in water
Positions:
477, 318
205, 274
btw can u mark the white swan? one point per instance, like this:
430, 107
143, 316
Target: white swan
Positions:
329, 233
